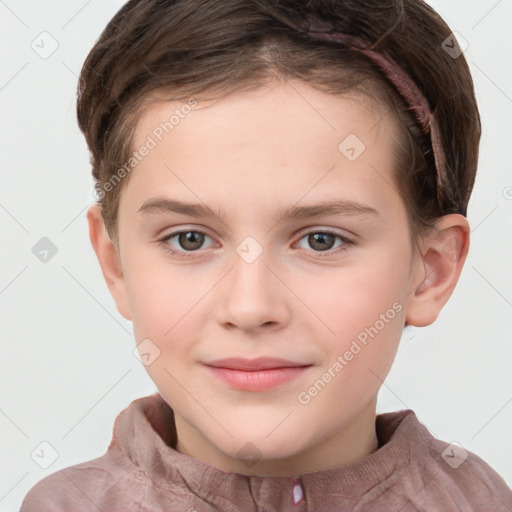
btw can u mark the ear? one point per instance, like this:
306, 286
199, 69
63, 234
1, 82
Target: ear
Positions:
443, 253
109, 260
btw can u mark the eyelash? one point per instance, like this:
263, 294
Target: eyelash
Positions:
191, 254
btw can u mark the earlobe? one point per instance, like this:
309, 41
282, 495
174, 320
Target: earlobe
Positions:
444, 252
108, 259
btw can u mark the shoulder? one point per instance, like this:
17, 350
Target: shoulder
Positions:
454, 476
471, 479
89, 487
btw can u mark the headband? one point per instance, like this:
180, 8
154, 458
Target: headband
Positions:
404, 85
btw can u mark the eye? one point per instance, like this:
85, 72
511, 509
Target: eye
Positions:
323, 241
186, 241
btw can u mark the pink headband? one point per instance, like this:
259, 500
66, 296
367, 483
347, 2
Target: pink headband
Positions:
405, 86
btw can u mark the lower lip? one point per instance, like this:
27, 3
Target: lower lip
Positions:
260, 380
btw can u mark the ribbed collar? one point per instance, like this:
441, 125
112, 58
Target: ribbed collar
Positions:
145, 433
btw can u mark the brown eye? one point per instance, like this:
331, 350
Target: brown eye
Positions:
321, 241
324, 242
190, 240
184, 243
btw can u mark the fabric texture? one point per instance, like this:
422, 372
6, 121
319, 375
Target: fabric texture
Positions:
142, 471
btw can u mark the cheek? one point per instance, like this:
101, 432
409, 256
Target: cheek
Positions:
364, 311
367, 321
162, 297
163, 300
353, 298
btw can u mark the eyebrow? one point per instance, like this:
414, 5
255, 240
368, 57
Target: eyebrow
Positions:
162, 205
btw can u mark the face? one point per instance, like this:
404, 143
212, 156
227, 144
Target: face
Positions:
262, 267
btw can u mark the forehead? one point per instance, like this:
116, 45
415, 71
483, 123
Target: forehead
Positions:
276, 103
284, 135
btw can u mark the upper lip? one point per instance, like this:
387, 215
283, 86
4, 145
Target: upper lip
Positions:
248, 365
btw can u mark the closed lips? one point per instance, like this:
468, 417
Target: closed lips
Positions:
253, 365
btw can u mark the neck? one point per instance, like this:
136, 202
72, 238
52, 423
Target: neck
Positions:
353, 442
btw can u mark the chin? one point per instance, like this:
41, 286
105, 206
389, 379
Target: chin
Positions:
251, 444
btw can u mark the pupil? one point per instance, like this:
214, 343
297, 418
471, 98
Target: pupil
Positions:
318, 241
191, 240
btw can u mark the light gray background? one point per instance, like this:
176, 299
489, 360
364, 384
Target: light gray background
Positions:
67, 367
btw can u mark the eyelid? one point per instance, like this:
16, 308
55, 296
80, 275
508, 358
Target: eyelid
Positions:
171, 234
323, 229
300, 234
175, 230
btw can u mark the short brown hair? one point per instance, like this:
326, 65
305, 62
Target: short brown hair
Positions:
188, 47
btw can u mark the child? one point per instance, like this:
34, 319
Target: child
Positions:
323, 153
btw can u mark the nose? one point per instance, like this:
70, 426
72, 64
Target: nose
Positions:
253, 297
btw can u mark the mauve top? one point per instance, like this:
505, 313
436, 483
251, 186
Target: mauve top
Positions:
141, 471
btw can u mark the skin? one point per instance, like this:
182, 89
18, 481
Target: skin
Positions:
252, 154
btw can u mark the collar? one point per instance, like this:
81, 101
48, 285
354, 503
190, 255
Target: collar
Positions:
145, 433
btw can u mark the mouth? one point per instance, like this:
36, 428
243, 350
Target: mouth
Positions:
259, 374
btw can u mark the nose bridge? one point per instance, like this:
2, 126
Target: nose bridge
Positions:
253, 297
250, 279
